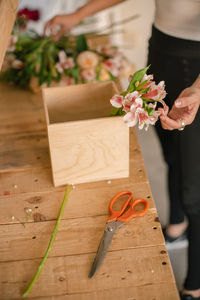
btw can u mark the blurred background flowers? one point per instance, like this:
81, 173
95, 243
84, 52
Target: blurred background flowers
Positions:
34, 61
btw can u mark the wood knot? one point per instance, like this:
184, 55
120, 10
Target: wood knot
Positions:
156, 219
61, 279
37, 217
35, 199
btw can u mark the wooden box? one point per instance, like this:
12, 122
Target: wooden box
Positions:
85, 143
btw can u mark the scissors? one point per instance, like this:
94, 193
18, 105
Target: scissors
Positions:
115, 221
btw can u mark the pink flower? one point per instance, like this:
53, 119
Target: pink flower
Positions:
136, 104
12, 41
116, 101
130, 119
65, 81
64, 62
149, 78
88, 75
107, 50
131, 99
112, 65
7, 63
156, 92
145, 119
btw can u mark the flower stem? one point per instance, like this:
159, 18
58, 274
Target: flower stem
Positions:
50, 244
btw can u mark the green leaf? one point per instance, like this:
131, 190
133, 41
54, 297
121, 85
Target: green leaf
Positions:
147, 99
81, 43
137, 76
117, 112
144, 91
141, 85
75, 73
111, 76
149, 110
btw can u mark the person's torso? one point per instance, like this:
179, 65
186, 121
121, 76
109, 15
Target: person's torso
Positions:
178, 18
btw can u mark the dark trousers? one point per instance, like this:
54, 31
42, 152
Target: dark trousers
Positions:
177, 62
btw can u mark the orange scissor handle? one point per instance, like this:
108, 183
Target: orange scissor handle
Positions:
115, 214
131, 213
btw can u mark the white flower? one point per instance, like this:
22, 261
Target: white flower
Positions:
156, 92
7, 63
107, 50
12, 41
143, 118
116, 101
87, 60
131, 99
147, 77
17, 64
112, 65
64, 62
130, 119
65, 81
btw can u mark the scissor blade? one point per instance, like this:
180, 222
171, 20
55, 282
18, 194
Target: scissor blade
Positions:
101, 251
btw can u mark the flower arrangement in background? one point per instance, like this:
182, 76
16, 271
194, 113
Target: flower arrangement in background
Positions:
138, 103
34, 61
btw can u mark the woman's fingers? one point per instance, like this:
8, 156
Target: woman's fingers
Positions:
46, 26
59, 33
170, 124
192, 97
52, 24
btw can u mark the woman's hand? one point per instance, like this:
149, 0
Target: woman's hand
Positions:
183, 110
60, 24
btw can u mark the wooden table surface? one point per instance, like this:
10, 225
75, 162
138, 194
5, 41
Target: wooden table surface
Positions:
136, 267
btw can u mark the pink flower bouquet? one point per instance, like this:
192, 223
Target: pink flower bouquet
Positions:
138, 103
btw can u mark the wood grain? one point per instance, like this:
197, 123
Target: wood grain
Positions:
76, 236
86, 151
20, 151
69, 274
46, 204
164, 291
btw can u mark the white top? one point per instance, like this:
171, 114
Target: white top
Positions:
178, 18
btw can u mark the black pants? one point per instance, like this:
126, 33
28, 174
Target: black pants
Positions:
177, 62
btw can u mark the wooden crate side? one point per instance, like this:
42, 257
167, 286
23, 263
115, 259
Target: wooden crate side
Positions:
8, 10
69, 274
89, 150
78, 102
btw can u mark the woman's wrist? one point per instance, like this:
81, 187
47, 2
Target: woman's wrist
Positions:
79, 15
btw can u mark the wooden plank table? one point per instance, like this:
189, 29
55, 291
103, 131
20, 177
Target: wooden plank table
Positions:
136, 266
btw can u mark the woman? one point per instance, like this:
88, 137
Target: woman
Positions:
174, 55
